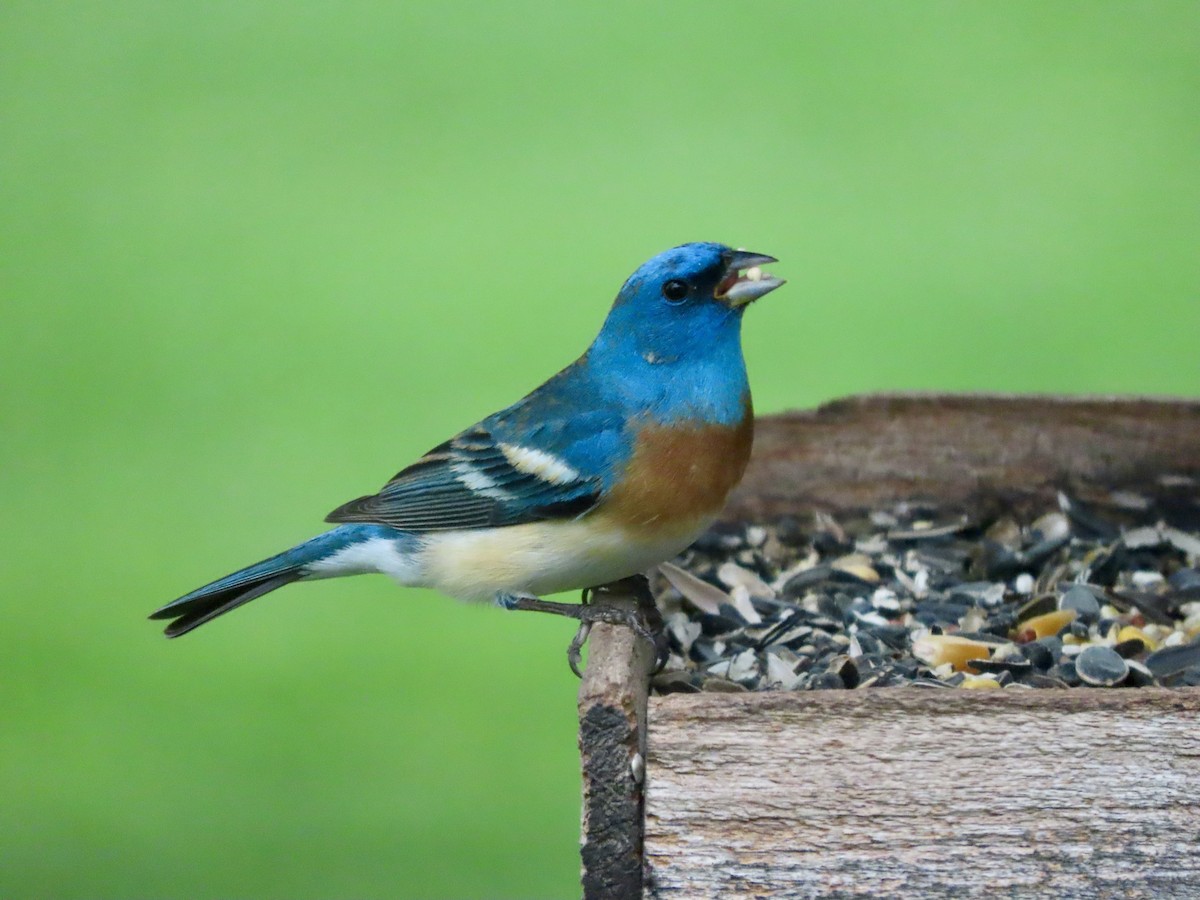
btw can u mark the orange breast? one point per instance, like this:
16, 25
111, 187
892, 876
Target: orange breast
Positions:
680, 474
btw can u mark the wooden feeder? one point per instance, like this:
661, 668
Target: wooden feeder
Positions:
898, 791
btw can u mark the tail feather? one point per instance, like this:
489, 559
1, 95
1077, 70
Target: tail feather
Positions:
308, 560
198, 610
304, 561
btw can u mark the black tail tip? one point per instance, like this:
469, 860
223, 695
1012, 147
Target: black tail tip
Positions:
192, 613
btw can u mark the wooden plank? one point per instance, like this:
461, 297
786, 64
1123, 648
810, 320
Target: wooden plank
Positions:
923, 792
612, 749
986, 451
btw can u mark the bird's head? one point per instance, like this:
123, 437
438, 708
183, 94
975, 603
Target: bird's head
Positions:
686, 302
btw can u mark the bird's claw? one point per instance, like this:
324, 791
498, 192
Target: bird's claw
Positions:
576, 645
645, 621
645, 624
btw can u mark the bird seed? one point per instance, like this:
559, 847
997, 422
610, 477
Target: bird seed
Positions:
911, 595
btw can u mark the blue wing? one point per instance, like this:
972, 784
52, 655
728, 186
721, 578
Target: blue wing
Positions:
551, 455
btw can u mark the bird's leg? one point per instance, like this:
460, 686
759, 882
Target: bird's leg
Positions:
537, 604
645, 620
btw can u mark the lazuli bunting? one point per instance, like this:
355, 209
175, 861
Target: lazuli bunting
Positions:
615, 464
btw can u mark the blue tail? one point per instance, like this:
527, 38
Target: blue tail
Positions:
215, 599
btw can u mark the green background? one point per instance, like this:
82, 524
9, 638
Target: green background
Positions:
256, 257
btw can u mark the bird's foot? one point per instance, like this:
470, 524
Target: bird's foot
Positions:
645, 620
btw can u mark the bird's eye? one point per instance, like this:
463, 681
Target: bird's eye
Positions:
675, 290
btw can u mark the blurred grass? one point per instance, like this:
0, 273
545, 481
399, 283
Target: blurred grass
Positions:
257, 257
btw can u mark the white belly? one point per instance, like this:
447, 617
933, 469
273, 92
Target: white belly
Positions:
541, 558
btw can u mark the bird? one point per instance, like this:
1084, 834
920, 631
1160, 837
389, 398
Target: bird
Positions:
612, 466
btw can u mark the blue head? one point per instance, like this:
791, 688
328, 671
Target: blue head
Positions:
673, 336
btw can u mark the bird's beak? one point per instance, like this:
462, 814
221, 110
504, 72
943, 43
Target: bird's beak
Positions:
744, 280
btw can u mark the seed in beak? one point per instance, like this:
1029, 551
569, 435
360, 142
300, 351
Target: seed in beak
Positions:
754, 273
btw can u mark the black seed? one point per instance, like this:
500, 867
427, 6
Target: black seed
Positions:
1080, 599
1139, 675
789, 531
1016, 667
1172, 660
797, 586
1129, 648
1040, 654
846, 670
1186, 584
1101, 666
826, 681
1037, 606
722, 624
1065, 671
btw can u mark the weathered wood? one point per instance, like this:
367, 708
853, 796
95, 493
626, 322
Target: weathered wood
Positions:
612, 748
900, 792
985, 451
934, 793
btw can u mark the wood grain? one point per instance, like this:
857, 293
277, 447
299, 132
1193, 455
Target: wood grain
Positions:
612, 749
911, 792
983, 451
